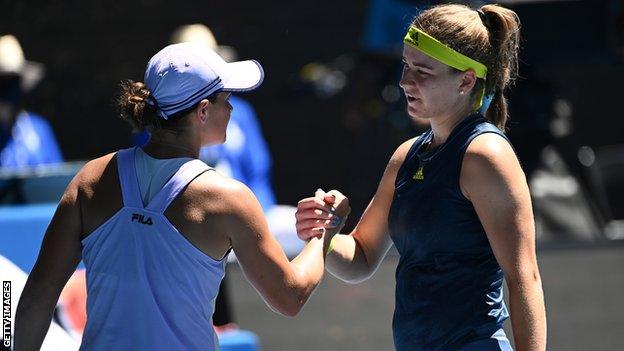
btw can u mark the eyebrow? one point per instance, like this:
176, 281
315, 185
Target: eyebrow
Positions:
419, 64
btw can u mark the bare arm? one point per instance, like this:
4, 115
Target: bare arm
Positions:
285, 286
355, 257
493, 181
59, 255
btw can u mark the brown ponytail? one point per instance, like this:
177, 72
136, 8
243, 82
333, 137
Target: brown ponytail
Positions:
504, 34
133, 105
491, 37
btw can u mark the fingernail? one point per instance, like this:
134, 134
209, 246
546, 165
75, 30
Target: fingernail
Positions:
336, 220
332, 209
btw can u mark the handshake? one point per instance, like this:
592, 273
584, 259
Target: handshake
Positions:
325, 213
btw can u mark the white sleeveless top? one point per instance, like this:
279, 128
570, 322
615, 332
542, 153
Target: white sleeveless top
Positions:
153, 173
148, 287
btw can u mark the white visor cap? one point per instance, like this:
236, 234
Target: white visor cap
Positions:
181, 75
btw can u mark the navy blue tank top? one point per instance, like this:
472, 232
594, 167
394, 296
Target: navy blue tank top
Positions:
449, 286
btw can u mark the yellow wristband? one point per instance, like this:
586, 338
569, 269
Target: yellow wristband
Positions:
331, 244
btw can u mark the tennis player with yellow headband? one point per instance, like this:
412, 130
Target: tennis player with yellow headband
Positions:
454, 201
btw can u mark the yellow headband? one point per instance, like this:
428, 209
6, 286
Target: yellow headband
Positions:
437, 50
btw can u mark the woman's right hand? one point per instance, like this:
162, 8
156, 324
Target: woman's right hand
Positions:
325, 212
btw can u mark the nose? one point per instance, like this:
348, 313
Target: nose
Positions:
405, 81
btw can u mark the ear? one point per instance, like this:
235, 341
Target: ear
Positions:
468, 80
202, 110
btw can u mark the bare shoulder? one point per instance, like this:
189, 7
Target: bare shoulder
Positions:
221, 194
490, 163
489, 152
93, 170
227, 204
400, 153
89, 176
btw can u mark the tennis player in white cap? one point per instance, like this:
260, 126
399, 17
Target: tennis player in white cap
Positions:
154, 225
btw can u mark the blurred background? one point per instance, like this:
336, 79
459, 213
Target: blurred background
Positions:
330, 113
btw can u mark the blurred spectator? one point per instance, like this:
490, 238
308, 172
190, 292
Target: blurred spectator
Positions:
26, 139
73, 299
385, 25
57, 339
531, 111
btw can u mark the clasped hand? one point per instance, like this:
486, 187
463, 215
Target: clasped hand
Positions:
326, 212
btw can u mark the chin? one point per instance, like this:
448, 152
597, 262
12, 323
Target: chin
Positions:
215, 140
417, 113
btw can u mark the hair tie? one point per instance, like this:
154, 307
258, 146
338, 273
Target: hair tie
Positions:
150, 101
484, 18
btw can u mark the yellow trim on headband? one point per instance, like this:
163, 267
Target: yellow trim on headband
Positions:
437, 50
